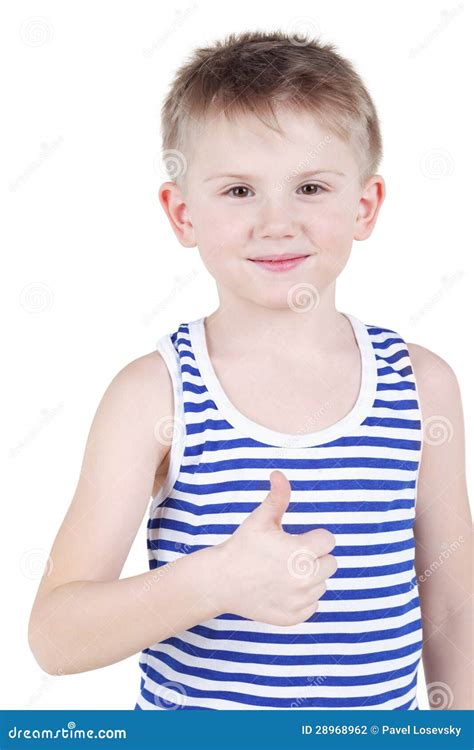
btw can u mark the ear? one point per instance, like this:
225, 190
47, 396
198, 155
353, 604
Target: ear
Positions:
370, 202
173, 202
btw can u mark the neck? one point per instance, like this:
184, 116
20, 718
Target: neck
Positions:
308, 317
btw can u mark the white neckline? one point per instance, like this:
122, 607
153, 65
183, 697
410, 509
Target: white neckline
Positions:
343, 426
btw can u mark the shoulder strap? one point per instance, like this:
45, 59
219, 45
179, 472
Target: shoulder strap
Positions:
175, 428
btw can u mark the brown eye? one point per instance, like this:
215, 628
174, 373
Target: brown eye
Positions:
312, 192
237, 187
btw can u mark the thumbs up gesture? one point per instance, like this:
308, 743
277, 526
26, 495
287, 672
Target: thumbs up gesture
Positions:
272, 576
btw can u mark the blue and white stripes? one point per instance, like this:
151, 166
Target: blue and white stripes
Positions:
356, 478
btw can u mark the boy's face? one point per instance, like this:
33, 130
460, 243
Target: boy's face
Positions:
251, 192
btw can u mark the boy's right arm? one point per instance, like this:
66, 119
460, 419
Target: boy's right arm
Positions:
83, 616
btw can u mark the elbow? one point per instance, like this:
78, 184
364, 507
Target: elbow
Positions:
43, 659
44, 652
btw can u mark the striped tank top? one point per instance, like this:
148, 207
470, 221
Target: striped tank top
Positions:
357, 478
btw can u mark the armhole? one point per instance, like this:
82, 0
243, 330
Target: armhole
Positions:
166, 348
421, 422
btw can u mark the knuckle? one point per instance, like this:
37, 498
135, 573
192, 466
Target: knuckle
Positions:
322, 588
290, 618
327, 538
302, 584
310, 610
331, 563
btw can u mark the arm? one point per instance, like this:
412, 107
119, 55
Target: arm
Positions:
443, 529
83, 616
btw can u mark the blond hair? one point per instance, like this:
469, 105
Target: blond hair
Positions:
250, 72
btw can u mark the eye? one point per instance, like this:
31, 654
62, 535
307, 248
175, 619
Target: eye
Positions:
315, 189
237, 187
312, 185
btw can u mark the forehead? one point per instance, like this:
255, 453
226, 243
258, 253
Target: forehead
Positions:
244, 141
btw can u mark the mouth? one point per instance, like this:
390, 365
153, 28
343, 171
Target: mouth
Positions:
279, 262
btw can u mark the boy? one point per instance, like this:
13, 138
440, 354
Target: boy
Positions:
304, 593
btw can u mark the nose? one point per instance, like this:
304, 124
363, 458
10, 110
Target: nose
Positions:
274, 219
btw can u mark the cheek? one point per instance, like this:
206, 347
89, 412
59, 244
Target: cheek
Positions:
217, 242
331, 235
221, 236
331, 228
217, 223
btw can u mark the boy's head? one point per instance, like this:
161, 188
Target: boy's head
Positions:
272, 144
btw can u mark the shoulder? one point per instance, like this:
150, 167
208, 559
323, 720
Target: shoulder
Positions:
148, 382
136, 411
440, 402
145, 370
435, 378
443, 516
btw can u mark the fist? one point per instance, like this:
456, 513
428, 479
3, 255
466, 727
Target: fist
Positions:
270, 575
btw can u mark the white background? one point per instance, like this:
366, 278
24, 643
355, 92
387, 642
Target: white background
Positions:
96, 276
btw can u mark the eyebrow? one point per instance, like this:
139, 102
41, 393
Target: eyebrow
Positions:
299, 175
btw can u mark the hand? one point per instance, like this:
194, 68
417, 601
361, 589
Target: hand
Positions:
272, 576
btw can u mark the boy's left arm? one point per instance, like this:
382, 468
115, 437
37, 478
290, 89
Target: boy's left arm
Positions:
443, 528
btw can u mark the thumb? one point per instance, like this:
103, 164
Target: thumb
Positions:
271, 509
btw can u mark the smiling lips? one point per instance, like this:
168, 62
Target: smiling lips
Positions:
282, 262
